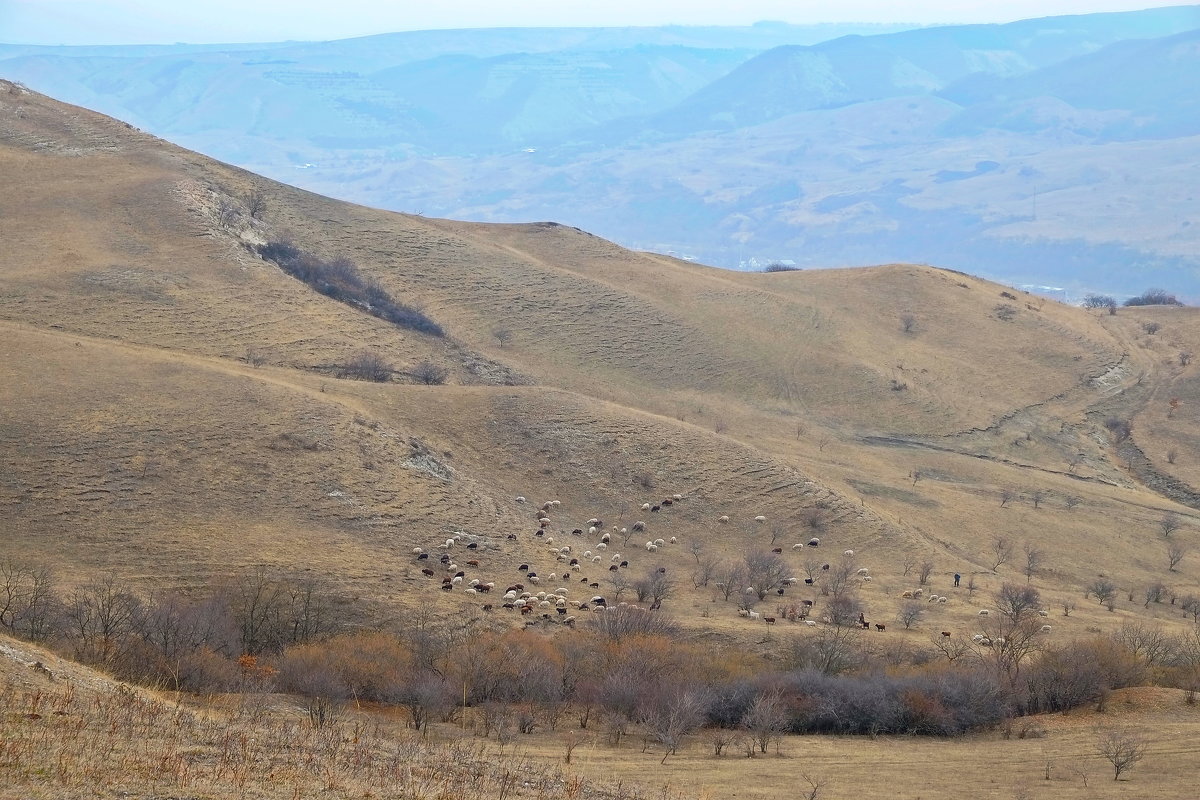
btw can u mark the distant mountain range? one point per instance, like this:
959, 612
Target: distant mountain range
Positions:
1055, 152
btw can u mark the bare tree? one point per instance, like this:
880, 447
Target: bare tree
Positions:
1175, 554
1169, 523
1006, 497
925, 570
1016, 602
704, 572
27, 601
1000, 552
1122, 748
765, 571
908, 323
1154, 593
654, 587
765, 720
428, 373
911, 613
1034, 558
502, 334
1071, 501
1037, 496
256, 203
676, 714
1104, 589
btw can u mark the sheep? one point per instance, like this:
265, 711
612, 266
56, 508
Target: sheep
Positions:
428, 573
449, 543
595, 559
977, 638
544, 522
549, 540
814, 542
606, 538
577, 532
769, 620
810, 623
592, 530
777, 550
544, 604
906, 595
943, 599
655, 509
868, 579
456, 580
423, 557
945, 634
624, 531
645, 506
933, 598
879, 626
471, 590
667, 502
983, 612
651, 547
417, 551
569, 621
755, 615
674, 540
677, 496
520, 499
556, 503
474, 582
1046, 628
742, 612
535, 580
602, 546
848, 553
615, 558
723, 518
760, 518
1043, 613
587, 553
798, 546
639, 526
659, 542
863, 571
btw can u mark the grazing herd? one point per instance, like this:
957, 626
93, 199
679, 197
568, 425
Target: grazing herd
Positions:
524, 597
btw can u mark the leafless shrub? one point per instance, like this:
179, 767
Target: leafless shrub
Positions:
502, 334
1035, 557
1122, 748
1104, 590
908, 323
1169, 523
1121, 429
1000, 551
429, 373
367, 365
911, 613
1151, 327
1175, 554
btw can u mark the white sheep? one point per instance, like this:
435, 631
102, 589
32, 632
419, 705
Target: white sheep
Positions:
868, 579
520, 499
556, 503
674, 540
510, 597
535, 580
848, 553
645, 506
652, 547
906, 595
472, 590
798, 546
593, 522
616, 557
983, 612
553, 576
1043, 613
587, 553
1046, 629
592, 530
456, 580
546, 506
602, 546
659, 542
760, 518
595, 559
549, 540
474, 581
863, 571
545, 604
605, 539
977, 638
810, 623
541, 595
943, 599
755, 615
417, 551
933, 598
742, 612
723, 518
624, 531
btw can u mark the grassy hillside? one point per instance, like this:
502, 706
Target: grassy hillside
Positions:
195, 386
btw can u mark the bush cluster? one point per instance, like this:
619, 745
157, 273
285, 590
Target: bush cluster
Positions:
341, 280
1154, 297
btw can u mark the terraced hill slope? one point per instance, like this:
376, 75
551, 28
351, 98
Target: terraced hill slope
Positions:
175, 406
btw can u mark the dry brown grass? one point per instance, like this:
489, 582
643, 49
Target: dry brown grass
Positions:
137, 437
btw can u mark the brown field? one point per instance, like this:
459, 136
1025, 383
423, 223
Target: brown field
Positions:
141, 435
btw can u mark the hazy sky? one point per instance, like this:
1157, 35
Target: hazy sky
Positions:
164, 21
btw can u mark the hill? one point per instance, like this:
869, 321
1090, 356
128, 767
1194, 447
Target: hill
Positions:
1047, 152
178, 410
197, 392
